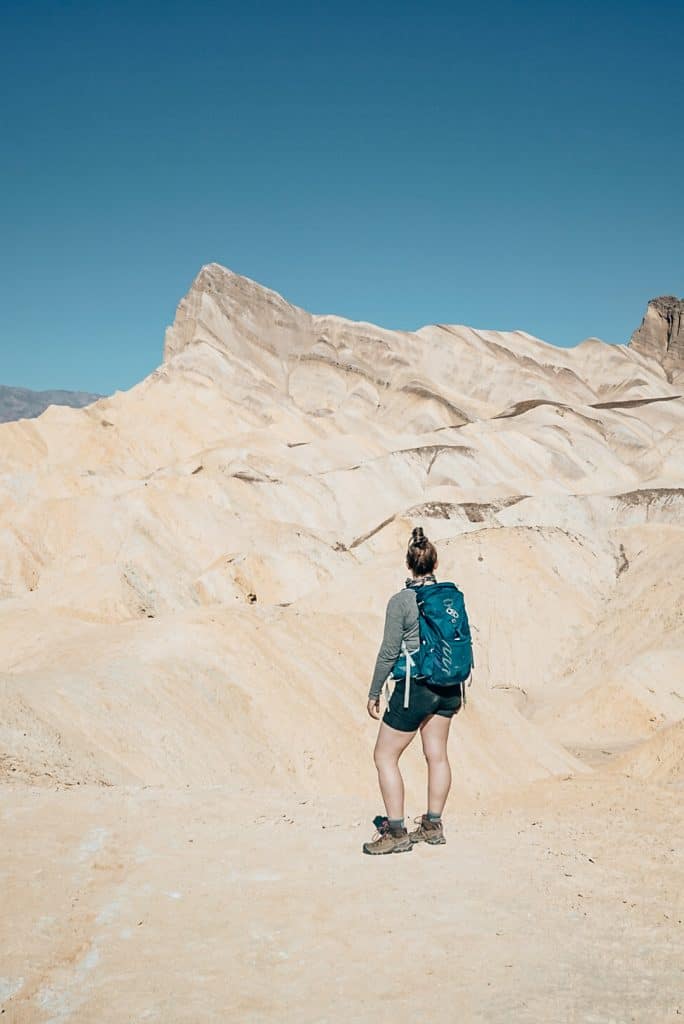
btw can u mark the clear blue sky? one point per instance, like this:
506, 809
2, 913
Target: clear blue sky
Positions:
505, 165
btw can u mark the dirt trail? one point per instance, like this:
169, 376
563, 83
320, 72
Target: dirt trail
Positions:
565, 904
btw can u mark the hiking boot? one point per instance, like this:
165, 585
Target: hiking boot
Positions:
389, 841
431, 832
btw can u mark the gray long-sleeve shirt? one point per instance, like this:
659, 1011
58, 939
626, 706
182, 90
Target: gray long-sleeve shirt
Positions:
401, 623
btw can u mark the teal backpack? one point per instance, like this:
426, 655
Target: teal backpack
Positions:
445, 655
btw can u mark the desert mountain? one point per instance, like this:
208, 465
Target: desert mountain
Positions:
193, 579
436, 377
250, 500
22, 403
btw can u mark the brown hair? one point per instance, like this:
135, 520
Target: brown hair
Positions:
421, 556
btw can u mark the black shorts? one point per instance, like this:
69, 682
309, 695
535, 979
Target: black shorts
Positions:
424, 701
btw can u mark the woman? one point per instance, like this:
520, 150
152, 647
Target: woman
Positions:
430, 709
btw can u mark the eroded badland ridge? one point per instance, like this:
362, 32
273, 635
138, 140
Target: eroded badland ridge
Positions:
192, 587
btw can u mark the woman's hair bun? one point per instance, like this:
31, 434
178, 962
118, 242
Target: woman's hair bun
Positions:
421, 557
418, 538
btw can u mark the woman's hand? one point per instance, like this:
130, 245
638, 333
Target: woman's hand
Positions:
374, 707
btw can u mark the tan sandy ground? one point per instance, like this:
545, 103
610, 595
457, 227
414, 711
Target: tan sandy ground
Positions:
562, 903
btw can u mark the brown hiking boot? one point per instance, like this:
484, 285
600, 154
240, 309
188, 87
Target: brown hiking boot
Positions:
431, 832
389, 842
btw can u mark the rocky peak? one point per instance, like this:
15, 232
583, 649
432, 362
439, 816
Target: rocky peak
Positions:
661, 334
236, 315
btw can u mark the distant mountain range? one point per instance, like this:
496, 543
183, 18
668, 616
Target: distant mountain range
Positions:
22, 403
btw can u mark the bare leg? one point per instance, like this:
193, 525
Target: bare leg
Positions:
434, 733
390, 745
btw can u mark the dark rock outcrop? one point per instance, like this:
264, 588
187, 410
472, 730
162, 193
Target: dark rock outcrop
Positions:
661, 334
22, 403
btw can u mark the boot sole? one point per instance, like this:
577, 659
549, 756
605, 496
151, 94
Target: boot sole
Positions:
430, 842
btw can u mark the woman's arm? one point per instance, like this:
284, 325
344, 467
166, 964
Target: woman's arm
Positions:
390, 648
